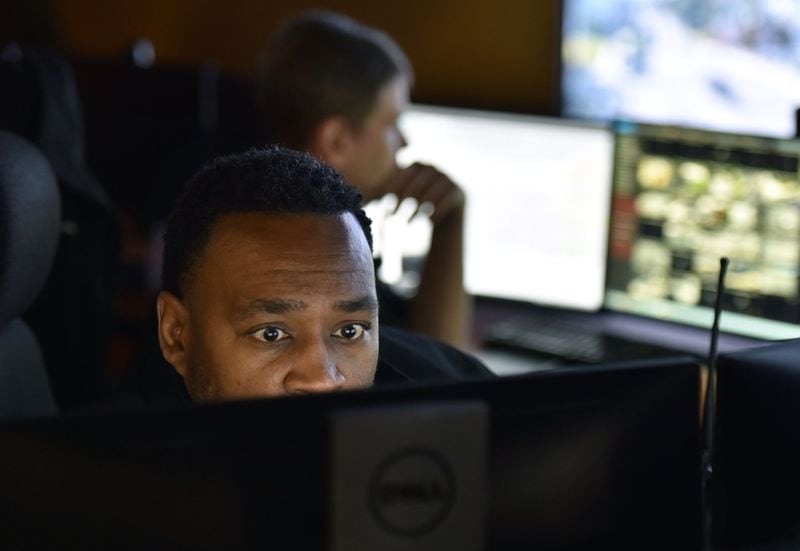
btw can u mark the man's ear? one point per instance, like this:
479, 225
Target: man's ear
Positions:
332, 141
173, 332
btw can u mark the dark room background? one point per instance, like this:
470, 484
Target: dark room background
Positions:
501, 55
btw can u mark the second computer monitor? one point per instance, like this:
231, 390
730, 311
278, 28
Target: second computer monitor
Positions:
537, 199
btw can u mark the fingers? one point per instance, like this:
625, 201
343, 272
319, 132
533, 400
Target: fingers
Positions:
447, 203
436, 195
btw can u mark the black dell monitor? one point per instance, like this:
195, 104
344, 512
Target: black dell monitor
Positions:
575, 457
756, 478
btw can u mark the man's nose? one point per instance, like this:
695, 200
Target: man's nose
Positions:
314, 371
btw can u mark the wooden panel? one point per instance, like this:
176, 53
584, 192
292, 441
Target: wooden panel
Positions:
466, 52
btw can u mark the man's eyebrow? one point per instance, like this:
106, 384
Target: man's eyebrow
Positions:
271, 306
357, 305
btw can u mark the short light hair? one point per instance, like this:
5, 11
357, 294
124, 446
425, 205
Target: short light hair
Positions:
321, 64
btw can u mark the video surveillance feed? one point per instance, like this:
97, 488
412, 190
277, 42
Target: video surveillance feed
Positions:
722, 65
684, 198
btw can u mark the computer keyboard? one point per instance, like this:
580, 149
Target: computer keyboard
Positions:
553, 338
548, 336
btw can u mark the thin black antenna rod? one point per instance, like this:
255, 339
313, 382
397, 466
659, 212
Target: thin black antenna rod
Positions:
708, 407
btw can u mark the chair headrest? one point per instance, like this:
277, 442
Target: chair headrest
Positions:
30, 223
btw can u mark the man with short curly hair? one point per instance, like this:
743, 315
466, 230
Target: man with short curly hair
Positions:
269, 287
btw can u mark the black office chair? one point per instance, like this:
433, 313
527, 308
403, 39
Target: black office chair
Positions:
73, 316
30, 219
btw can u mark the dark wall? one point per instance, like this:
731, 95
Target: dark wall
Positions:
27, 21
468, 52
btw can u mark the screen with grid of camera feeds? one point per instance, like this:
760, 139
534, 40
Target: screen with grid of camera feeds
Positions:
682, 199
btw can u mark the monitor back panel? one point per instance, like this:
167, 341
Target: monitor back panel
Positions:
605, 456
757, 451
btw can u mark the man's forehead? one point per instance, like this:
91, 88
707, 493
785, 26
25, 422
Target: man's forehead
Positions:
303, 252
291, 235
301, 276
245, 308
393, 98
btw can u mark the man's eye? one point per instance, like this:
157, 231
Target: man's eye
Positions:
271, 334
351, 331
